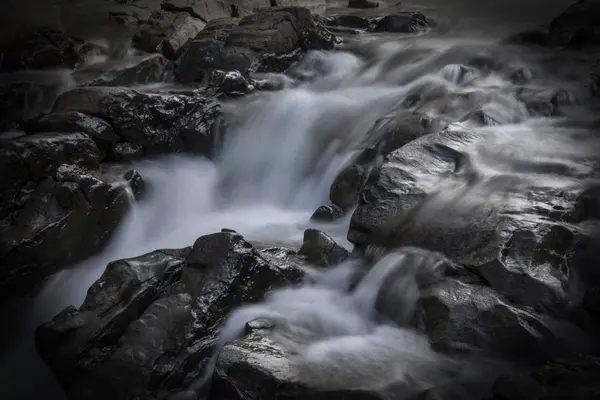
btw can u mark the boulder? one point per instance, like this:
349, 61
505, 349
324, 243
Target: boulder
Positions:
75, 122
363, 4
61, 215
579, 25
320, 249
328, 213
149, 324
133, 71
205, 10
46, 48
402, 22
157, 123
350, 21
268, 40
167, 33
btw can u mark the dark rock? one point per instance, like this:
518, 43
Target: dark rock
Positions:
350, 21
320, 249
75, 122
570, 377
538, 37
347, 186
167, 33
230, 84
205, 10
579, 25
466, 317
69, 216
270, 38
362, 4
136, 71
327, 213
158, 123
402, 22
46, 48
149, 325
136, 183
127, 152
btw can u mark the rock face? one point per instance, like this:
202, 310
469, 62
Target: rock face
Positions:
155, 123
268, 40
55, 209
152, 319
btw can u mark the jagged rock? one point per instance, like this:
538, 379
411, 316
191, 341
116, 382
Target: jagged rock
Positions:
570, 377
579, 25
320, 249
244, 45
514, 246
362, 4
387, 134
127, 152
158, 123
75, 122
230, 84
167, 33
470, 317
149, 324
327, 213
133, 71
402, 22
68, 216
45, 48
136, 183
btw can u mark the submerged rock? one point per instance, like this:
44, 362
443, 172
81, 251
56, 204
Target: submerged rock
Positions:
154, 319
269, 40
157, 123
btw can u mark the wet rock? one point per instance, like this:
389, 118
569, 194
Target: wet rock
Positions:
350, 21
387, 134
136, 183
206, 10
260, 367
230, 84
45, 48
167, 33
569, 377
135, 71
158, 123
402, 22
127, 152
271, 39
75, 122
363, 4
578, 26
473, 318
327, 213
69, 215
320, 249
154, 319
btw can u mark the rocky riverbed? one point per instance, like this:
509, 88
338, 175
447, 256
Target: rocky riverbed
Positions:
230, 199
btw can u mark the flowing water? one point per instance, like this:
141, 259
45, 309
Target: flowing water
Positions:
277, 164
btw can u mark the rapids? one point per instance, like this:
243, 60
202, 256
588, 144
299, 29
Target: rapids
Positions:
276, 166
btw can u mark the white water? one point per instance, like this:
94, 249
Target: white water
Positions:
276, 167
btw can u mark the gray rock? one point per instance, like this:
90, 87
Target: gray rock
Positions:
75, 122
327, 213
402, 22
132, 71
268, 40
320, 249
362, 4
149, 324
158, 123
579, 25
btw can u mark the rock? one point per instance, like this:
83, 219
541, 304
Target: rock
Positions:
327, 213
133, 71
469, 317
362, 4
127, 152
579, 25
136, 183
45, 48
537, 37
569, 377
154, 319
167, 33
387, 134
268, 40
75, 122
205, 10
350, 21
320, 249
261, 368
158, 123
67, 217
229, 84
402, 22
